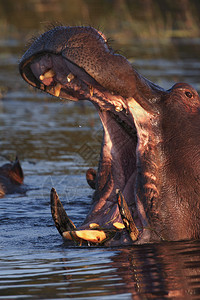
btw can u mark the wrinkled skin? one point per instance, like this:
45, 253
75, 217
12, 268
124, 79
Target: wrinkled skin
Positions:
11, 178
150, 148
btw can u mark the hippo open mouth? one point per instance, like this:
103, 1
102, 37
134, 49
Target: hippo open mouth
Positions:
77, 63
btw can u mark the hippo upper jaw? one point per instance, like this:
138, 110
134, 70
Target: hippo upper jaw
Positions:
59, 77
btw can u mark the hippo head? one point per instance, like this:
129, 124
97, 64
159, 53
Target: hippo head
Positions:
147, 187
11, 178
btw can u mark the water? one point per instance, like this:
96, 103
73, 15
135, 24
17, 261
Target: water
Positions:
49, 137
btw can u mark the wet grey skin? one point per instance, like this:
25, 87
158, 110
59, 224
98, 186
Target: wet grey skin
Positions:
151, 138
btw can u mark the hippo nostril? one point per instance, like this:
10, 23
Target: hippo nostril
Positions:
188, 94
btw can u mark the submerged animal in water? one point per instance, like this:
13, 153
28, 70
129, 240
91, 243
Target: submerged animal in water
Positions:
11, 178
147, 187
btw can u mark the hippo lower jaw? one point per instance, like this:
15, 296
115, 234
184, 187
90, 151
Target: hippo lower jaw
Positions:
117, 167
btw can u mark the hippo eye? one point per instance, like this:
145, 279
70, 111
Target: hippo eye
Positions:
188, 94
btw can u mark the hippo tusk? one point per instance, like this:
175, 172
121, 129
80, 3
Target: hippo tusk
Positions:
60, 217
67, 228
95, 234
126, 216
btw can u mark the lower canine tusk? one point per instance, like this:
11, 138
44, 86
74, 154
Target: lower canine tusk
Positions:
60, 217
126, 216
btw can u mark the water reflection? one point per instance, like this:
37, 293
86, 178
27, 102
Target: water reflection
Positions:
163, 271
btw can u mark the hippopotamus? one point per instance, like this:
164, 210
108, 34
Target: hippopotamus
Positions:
147, 186
11, 178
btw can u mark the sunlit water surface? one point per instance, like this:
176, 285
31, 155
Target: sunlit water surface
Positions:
56, 143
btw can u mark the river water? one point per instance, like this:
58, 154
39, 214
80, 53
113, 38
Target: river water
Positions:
56, 143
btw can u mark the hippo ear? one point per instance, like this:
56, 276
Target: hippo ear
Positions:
16, 173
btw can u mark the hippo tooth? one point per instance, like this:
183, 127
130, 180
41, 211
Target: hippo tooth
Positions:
94, 236
48, 74
91, 90
70, 77
118, 225
93, 225
57, 89
118, 108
